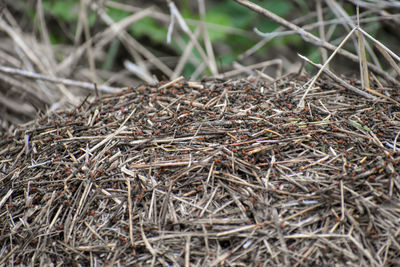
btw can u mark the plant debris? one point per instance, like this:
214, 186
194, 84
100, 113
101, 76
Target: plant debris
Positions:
207, 174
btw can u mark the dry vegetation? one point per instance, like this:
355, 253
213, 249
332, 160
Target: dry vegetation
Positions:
293, 170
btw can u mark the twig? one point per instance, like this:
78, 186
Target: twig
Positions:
339, 80
301, 102
64, 81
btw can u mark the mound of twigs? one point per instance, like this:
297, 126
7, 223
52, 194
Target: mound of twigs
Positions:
207, 174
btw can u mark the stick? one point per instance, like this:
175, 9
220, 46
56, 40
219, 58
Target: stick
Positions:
64, 81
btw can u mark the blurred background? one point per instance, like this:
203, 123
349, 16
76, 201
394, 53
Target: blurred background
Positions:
119, 44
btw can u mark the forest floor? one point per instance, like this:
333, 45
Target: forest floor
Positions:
218, 172
105, 163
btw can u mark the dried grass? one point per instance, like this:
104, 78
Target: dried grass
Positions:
224, 173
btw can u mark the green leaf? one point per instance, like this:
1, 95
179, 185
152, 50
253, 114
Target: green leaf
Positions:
278, 7
67, 10
117, 14
237, 16
149, 27
219, 19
